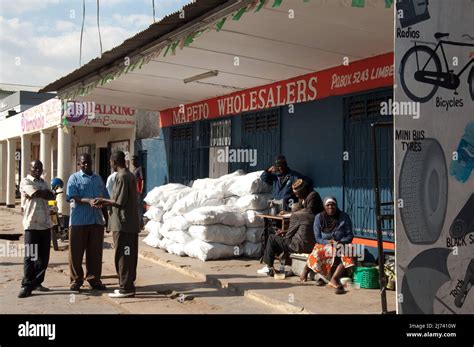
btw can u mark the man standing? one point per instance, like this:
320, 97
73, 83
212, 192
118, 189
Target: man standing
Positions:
138, 173
281, 177
124, 223
86, 225
37, 224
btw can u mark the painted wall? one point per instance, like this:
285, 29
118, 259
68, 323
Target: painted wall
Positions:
86, 136
156, 168
435, 194
312, 141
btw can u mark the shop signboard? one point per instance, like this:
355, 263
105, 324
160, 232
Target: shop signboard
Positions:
366, 74
91, 114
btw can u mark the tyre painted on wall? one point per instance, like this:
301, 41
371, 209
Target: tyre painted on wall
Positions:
423, 187
422, 278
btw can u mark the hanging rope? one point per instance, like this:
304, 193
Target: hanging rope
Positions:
82, 30
98, 27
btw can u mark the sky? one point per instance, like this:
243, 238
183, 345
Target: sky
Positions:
40, 39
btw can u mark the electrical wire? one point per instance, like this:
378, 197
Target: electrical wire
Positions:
98, 27
82, 30
153, 5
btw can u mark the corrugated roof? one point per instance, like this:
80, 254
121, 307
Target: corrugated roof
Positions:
167, 25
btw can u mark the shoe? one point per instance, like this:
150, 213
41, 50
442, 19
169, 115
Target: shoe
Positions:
75, 287
265, 270
339, 290
120, 293
99, 287
320, 283
40, 288
24, 292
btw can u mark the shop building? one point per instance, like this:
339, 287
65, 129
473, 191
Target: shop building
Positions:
305, 79
57, 133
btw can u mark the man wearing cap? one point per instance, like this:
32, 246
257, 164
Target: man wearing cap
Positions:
300, 235
281, 177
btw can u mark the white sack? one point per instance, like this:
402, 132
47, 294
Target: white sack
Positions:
253, 202
252, 220
206, 251
176, 223
174, 196
176, 248
178, 236
252, 250
254, 234
158, 193
207, 215
198, 198
219, 233
154, 213
249, 184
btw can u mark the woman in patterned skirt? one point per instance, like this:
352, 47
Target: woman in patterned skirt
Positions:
332, 230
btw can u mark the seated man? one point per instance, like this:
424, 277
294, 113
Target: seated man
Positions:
300, 236
281, 177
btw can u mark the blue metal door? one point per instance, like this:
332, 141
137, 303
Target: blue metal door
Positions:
360, 112
181, 168
260, 132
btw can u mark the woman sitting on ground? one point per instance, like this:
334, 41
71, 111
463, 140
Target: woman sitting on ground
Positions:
332, 227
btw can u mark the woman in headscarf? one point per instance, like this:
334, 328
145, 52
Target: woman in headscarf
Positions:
332, 227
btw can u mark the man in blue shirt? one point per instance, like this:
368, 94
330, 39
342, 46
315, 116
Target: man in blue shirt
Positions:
86, 225
281, 177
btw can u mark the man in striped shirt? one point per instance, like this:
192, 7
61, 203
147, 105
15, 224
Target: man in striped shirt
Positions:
86, 222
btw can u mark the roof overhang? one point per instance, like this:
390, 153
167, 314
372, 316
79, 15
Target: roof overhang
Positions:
261, 47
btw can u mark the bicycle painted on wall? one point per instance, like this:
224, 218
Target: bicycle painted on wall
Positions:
421, 72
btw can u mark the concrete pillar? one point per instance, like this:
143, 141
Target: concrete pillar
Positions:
64, 165
11, 149
45, 153
25, 155
3, 173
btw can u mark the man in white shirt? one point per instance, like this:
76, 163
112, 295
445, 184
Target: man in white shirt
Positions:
110, 181
37, 224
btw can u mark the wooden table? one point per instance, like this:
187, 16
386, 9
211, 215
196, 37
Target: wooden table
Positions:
268, 219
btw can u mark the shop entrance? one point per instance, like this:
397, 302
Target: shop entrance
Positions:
181, 154
360, 112
104, 167
220, 141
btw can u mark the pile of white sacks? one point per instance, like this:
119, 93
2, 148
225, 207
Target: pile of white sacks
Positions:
213, 219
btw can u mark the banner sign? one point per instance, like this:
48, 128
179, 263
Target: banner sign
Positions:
42, 116
91, 114
358, 76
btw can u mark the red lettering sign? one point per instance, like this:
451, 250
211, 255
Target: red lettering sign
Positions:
358, 76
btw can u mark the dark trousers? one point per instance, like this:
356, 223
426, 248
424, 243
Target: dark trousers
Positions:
275, 246
126, 259
89, 239
35, 263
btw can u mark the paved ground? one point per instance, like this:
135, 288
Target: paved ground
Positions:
166, 281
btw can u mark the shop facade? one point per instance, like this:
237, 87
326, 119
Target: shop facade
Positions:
320, 121
57, 133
